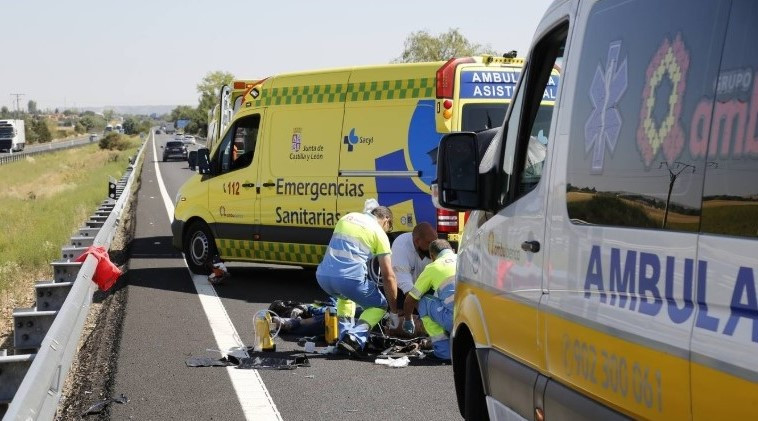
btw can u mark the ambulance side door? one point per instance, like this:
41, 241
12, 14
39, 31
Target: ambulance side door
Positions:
232, 196
298, 182
724, 345
511, 242
625, 206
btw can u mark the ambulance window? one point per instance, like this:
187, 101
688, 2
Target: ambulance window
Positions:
529, 122
238, 146
730, 195
478, 117
640, 115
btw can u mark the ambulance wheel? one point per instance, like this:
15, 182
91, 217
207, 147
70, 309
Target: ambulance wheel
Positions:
475, 403
199, 248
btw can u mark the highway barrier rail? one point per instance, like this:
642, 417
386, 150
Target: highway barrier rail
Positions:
47, 335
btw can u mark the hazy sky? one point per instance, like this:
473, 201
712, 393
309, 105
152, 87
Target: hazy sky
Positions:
154, 52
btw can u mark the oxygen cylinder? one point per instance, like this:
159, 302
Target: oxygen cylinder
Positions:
263, 340
331, 326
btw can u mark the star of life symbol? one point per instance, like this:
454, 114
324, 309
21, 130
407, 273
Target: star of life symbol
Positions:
604, 124
296, 141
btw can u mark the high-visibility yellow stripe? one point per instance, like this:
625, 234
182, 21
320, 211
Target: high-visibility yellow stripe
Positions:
619, 372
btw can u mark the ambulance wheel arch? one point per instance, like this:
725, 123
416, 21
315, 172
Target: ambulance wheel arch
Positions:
199, 246
467, 364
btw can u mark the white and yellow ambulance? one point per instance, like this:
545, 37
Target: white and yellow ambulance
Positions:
305, 148
614, 276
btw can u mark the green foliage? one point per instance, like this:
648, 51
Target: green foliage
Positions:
422, 46
108, 115
197, 118
32, 107
114, 141
92, 122
4, 112
208, 88
39, 125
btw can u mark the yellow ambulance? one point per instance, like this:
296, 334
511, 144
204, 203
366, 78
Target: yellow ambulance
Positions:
614, 276
305, 148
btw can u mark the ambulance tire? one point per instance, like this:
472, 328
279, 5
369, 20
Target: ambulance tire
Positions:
199, 248
475, 403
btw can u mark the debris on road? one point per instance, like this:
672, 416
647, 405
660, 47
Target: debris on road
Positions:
393, 362
99, 406
274, 363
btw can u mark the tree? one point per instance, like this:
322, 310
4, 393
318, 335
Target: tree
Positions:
108, 115
93, 123
422, 46
43, 132
4, 112
208, 88
32, 107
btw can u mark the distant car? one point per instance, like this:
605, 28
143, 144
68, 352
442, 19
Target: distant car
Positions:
93, 137
179, 137
174, 149
158, 131
188, 138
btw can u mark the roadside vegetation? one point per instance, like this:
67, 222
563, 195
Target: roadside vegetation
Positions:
45, 199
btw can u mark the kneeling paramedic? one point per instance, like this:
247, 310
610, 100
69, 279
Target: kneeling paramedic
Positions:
342, 274
434, 292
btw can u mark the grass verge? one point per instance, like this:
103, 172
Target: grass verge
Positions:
45, 199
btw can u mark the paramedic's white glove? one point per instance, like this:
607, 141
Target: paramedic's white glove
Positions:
393, 321
408, 326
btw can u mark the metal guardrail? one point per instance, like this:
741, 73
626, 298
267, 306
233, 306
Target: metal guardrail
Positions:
58, 146
39, 392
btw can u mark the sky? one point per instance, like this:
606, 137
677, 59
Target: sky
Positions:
95, 53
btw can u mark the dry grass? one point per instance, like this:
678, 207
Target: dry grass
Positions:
44, 201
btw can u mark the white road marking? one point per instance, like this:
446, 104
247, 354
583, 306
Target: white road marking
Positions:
252, 394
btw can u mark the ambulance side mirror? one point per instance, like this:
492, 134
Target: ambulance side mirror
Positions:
458, 171
203, 161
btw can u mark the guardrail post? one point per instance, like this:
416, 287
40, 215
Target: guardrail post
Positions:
64, 271
71, 253
51, 295
30, 327
13, 368
112, 188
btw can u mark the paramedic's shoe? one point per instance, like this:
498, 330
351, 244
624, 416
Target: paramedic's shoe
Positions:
350, 345
218, 280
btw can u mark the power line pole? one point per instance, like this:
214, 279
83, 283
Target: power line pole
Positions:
18, 101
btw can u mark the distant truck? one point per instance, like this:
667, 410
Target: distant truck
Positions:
12, 135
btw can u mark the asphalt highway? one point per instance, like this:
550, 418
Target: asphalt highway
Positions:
166, 323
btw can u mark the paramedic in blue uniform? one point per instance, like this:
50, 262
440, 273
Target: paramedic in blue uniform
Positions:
357, 237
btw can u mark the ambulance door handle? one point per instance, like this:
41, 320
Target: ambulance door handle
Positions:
269, 184
248, 185
530, 246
